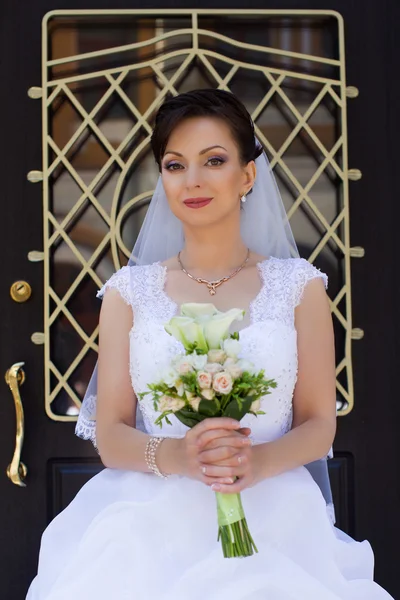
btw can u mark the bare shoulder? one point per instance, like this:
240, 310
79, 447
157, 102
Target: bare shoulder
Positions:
115, 312
314, 309
171, 264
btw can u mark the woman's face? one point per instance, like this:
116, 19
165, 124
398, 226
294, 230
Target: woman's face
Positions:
202, 174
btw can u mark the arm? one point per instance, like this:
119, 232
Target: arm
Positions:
314, 402
120, 445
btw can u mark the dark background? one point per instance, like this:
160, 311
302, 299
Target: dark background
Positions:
368, 433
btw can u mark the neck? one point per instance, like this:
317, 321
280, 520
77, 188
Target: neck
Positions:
212, 253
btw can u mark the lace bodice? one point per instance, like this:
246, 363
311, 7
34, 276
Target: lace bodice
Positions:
269, 341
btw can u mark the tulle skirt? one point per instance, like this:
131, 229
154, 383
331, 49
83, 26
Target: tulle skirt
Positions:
135, 536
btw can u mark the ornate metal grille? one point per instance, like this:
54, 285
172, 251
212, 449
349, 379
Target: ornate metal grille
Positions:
105, 73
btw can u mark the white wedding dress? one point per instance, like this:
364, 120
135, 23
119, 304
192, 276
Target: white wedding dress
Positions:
135, 536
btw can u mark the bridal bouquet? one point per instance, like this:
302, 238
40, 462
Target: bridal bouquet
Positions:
210, 380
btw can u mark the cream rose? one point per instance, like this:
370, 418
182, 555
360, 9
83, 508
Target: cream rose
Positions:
256, 405
208, 394
167, 403
213, 368
216, 356
163, 403
222, 383
204, 380
184, 367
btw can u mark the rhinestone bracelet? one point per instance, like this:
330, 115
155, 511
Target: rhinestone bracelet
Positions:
150, 456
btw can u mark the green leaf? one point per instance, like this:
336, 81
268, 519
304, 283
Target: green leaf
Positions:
188, 417
189, 379
209, 408
237, 409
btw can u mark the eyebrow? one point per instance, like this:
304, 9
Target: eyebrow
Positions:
201, 152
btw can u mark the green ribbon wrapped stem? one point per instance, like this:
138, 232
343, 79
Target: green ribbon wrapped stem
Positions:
229, 508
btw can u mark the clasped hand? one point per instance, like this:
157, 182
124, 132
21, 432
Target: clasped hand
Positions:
219, 453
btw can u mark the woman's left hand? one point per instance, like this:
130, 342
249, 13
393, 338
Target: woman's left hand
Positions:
231, 456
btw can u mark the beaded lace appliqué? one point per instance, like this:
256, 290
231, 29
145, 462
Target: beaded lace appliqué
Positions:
86, 424
120, 281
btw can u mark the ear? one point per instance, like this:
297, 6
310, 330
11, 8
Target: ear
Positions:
250, 171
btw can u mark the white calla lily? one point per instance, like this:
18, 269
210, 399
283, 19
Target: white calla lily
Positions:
202, 324
194, 332
187, 331
195, 310
217, 328
174, 327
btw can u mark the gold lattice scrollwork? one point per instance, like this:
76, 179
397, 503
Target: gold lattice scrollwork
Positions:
164, 58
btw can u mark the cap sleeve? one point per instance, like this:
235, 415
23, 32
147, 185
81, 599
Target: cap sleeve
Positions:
120, 281
303, 273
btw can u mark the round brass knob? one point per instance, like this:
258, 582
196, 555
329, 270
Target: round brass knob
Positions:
20, 291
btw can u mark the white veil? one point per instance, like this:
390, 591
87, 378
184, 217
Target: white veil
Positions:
264, 228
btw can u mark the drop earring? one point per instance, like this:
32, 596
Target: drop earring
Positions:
243, 198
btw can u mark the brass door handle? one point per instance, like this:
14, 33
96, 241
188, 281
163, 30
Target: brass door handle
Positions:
16, 470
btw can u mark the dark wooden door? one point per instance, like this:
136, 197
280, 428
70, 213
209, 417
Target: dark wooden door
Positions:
365, 478
58, 463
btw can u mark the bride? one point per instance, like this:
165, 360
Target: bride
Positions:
145, 527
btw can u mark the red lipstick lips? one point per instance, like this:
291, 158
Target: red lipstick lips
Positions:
197, 202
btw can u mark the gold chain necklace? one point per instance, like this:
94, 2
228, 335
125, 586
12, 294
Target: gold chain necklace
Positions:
213, 285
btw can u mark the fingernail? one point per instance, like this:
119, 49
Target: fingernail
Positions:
204, 470
246, 442
228, 480
215, 487
240, 459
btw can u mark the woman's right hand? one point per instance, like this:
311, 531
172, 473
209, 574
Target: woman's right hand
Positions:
203, 434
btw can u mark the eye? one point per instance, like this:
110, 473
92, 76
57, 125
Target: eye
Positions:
215, 161
173, 166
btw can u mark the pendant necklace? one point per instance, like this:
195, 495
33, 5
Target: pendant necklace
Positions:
213, 285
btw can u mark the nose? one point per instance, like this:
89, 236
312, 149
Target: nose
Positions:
193, 177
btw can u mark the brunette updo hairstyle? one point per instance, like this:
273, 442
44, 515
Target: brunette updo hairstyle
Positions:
206, 103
